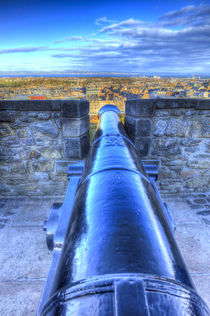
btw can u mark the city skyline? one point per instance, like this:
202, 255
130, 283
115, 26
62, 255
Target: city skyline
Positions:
117, 36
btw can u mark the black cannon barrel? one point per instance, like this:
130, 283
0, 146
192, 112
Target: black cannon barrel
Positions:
120, 256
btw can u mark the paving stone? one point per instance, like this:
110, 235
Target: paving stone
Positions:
24, 253
181, 212
194, 242
33, 213
20, 298
202, 286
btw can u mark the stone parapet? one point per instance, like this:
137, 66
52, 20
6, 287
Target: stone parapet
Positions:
176, 132
38, 139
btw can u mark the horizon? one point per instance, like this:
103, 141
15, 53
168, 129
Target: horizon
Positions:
171, 39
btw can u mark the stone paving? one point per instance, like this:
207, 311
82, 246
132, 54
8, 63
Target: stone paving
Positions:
24, 257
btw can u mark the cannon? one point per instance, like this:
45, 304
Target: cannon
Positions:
114, 251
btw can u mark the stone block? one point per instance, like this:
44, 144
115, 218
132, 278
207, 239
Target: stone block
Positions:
40, 176
5, 130
18, 124
175, 103
74, 108
177, 127
74, 127
137, 127
204, 127
139, 107
51, 188
43, 165
47, 128
189, 141
203, 105
77, 147
142, 145
7, 116
160, 127
26, 105
50, 153
166, 147
55, 105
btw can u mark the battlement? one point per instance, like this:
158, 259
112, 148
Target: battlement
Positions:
39, 138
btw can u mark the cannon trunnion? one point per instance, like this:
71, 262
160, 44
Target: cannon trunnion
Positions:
114, 251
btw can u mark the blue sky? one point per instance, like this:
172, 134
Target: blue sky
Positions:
126, 36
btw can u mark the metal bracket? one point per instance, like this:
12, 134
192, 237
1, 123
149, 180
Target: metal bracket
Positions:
57, 225
152, 172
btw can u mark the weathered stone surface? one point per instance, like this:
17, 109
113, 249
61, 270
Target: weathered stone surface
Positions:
39, 115
18, 167
73, 127
4, 170
10, 142
15, 294
189, 141
142, 145
50, 153
74, 108
18, 124
46, 128
203, 105
166, 147
204, 128
7, 116
41, 176
198, 163
200, 201
5, 130
160, 127
162, 113
199, 182
77, 147
175, 103
141, 107
177, 127
58, 123
22, 133
137, 127
7, 154
43, 165
50, 188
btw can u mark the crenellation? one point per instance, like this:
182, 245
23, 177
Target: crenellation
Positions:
180, 140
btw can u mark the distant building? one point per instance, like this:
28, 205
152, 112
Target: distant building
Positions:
37, 97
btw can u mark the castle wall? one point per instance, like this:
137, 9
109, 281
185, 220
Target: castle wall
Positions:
175, 132
38, 139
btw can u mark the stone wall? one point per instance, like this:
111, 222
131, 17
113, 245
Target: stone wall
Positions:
38, 139
175, 132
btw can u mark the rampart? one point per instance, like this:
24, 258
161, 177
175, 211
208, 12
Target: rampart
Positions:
40, 138
175, 132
